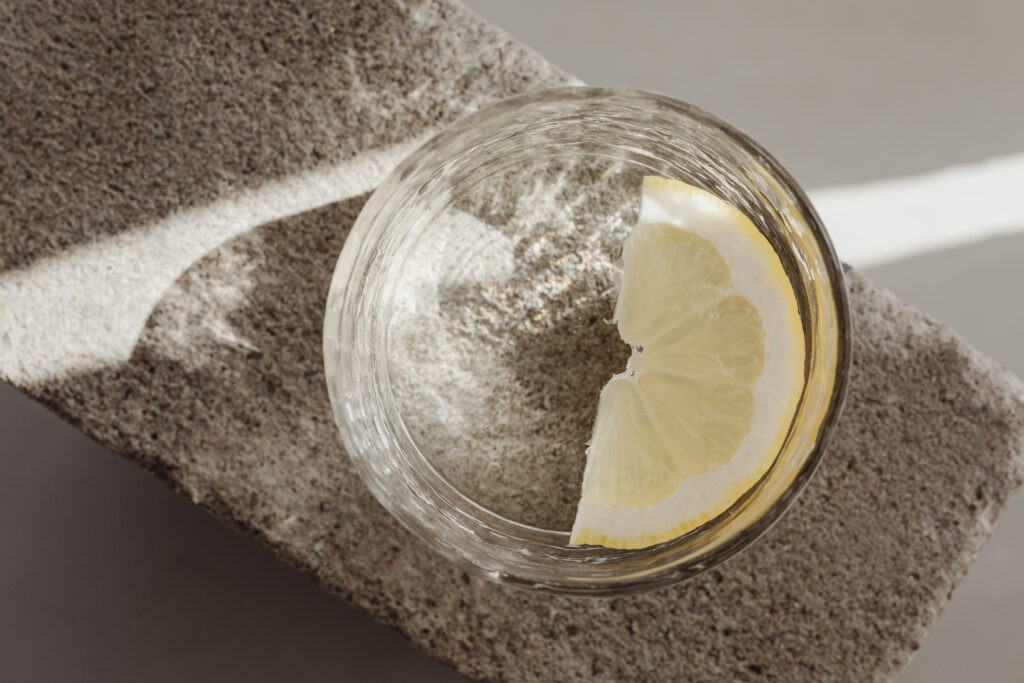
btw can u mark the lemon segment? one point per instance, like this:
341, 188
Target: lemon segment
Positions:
708, 395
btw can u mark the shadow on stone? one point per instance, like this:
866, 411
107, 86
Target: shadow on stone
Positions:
225, 397
561, 370
114, 116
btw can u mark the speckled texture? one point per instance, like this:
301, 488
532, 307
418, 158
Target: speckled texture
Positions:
118, 113
498, 365
223, 395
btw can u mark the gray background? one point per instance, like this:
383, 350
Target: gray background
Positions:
109, 576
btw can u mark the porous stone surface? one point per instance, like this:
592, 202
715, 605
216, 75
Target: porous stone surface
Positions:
113, 116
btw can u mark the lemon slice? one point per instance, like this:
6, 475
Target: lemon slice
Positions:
717, 368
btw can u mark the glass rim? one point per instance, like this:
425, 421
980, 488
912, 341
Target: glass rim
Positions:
477, 525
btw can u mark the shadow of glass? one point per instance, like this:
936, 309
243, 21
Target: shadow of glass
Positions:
536, 476
224, 395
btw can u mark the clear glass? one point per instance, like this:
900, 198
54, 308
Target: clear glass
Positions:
475, 280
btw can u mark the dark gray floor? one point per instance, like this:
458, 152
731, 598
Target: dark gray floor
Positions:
107, 576
110, 576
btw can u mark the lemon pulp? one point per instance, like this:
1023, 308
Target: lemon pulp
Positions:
708, 395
